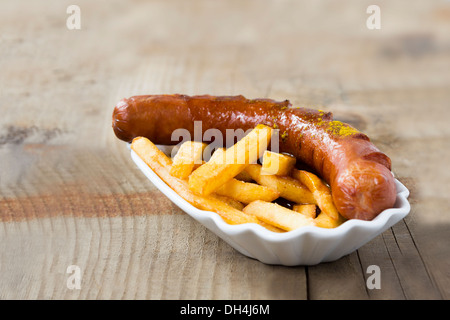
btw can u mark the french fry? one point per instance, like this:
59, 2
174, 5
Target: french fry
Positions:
151, 151
323, 220
219, 155
246, 192
277, 163
270, 227
188, 156
160, 164
244, 176
288, 187
308, 210
320, 191
210, 176
230, 201
277, 215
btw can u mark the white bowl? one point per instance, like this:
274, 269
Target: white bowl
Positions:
304, 246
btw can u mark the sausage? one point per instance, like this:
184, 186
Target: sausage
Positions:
358, 173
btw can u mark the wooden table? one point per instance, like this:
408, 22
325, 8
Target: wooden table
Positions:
71, 196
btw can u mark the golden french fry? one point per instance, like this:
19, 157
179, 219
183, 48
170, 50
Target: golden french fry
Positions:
230, 201
219, 155
320, 191
323, 220
289, 188
277, 163
198, 165
246, 192
244, 176
160, 164
308, 210
210, 176
270, 227
188, 156
277, 215
151, 151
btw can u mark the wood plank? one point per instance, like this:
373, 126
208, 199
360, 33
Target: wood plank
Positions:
69, 193
414, 276
139, 257
431, 237
375, 253
339, 280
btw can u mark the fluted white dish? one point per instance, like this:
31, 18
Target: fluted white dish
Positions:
307, 245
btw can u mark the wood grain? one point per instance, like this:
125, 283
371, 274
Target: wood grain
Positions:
70, 194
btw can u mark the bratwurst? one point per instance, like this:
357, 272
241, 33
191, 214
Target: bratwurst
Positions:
358, 173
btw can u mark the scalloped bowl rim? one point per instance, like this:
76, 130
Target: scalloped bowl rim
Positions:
206, 217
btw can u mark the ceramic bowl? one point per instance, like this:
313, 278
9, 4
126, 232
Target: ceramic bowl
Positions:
308, 245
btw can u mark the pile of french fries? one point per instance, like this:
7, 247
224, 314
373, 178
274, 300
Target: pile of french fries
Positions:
234, 185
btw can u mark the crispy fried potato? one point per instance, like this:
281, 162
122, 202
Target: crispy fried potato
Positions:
323, 220
277, 215
210, 176
151, 151
230, 201
270, 227
188, 156
246, 192
320, 191
244, 176
277, 163
289, 188
160, 164
308, 210
219, 155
